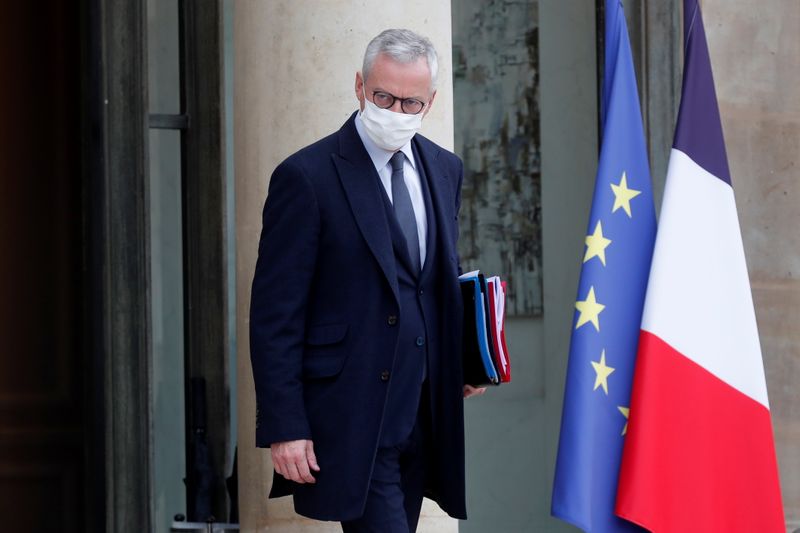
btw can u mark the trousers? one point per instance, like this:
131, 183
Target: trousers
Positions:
397, 484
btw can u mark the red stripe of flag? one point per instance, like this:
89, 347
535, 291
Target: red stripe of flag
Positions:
697, 432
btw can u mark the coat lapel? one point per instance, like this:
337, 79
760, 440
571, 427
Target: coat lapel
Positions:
440, 243
360, 182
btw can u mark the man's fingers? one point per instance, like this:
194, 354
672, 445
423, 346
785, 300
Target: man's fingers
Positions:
294, 460
312, 458
303, 472
292, 474
469, 390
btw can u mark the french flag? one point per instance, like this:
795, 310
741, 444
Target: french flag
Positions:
699, 453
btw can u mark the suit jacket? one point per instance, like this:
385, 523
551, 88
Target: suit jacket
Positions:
323, 322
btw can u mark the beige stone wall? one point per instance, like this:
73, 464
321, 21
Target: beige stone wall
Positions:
294, 72
755, 52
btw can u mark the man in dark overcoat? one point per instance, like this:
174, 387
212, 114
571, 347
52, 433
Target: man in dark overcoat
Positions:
355, 318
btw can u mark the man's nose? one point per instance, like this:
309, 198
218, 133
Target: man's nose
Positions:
397, 106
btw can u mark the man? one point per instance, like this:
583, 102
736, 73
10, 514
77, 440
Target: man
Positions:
355, 317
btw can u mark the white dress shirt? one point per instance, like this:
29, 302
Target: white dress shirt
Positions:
380, 158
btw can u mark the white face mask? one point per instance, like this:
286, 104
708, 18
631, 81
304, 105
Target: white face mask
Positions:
389, 130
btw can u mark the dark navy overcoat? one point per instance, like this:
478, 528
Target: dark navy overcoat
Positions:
323, 322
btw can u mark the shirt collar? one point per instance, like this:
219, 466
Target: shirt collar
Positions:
380, 157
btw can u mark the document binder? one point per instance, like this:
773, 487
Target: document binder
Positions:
497, 294
484, 352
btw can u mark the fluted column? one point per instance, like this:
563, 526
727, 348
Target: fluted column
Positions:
295, 65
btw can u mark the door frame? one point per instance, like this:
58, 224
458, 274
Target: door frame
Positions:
115, 166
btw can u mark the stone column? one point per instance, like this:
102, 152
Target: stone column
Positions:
293, 84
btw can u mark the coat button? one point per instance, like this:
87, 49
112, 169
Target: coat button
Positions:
385, 375
420, 341
392, 320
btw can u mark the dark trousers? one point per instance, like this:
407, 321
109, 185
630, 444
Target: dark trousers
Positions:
397, 483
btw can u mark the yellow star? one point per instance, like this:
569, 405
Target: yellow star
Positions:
623, 195
596, 244
626, 411
589, 309
602, 372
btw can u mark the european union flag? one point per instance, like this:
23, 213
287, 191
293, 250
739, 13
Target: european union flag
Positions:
608, 310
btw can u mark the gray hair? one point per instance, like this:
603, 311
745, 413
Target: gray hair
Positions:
403, 46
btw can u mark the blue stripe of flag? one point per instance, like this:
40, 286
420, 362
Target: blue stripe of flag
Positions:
698, 132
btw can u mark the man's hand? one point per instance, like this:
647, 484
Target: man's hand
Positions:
294, 460
469, 390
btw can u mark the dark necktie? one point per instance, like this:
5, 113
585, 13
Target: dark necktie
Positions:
403, 209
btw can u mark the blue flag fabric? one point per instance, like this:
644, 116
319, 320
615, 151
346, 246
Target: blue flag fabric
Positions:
608, 309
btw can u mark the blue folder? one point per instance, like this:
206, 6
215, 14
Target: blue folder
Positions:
477, 355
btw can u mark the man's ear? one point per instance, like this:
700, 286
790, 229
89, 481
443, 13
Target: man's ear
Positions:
359, 88
430, 104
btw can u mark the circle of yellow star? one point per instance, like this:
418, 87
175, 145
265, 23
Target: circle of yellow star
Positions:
590, 310
626, 411
602, 372
596, 244
623, 195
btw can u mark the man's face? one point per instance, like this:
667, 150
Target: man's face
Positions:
402, 80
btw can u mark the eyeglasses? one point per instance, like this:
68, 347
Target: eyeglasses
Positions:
410, 106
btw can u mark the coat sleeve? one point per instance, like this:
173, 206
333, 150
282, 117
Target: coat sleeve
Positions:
287, 254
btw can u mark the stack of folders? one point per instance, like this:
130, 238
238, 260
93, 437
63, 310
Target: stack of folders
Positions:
485, 353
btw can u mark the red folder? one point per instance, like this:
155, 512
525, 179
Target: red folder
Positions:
496, 312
